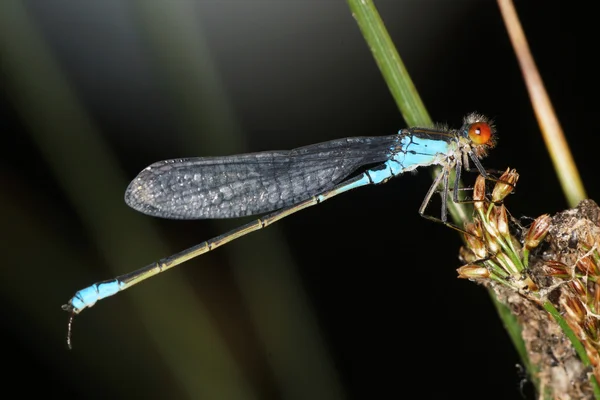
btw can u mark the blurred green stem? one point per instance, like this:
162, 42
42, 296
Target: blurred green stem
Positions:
554, 137
389, 62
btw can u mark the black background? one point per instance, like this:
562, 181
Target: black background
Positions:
358, 294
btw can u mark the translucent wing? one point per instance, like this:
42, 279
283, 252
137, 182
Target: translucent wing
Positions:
247, 184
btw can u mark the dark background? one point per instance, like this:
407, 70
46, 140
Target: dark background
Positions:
354, 298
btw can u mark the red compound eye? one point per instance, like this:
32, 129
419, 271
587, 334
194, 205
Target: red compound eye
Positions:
480, 133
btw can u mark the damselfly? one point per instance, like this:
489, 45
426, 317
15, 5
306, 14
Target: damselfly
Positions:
284, 182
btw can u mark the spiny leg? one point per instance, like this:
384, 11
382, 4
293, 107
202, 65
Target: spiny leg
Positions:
487, 175
442, 177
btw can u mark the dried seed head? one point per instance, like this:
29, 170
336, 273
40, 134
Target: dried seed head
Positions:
466, 255
473, 272
491, 223
587, 242
490, 242
507, 263
474, 228
505, 185
537, 231
596, 296
531, 285
556, 268
578, 287
574, 309
587, 266
479, 193
502, 221
476, 246
591, 327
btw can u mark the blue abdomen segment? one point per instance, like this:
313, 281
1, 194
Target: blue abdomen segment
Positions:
412, 152
87, 297
417, 152
383, 172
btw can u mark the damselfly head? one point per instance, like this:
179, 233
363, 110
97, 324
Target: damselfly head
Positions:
481, 133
